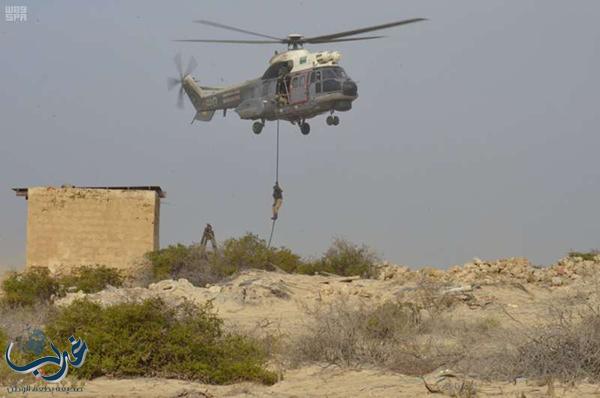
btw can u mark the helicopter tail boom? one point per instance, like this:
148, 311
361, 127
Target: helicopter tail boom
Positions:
194, 92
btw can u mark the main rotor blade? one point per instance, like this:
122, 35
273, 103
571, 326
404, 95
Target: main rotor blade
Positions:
345, 39
234, 41
363, 30
191, 66
220, 25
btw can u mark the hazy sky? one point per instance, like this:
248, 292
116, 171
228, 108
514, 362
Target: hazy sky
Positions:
474, 134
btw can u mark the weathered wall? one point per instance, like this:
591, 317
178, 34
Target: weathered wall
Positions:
69, 227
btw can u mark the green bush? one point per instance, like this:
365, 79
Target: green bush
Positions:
36, 286
92, 279
5, 372
7, 375
189, 262
151, 339
33, 286
249, 251
165, 261
346, 259
586, 256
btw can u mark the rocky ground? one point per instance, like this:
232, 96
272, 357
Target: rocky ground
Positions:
504, 290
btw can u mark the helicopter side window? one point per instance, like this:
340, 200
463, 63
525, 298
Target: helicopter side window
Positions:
316, 78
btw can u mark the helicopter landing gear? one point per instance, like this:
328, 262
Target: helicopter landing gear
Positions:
332, 120
257, 127
304, 128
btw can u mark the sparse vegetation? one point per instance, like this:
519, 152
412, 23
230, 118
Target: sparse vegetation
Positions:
5, 372
416, 339
393, 335
91, 279
7, 376
151, 339
250, 251
344, 258
414, 335
34, 286
566, 348
586, 256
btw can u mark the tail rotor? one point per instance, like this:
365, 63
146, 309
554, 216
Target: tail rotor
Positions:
173, 82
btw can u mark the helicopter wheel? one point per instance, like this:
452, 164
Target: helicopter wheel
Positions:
332, 120
305, 128
257, 127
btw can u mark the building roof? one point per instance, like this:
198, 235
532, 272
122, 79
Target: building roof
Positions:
155, 188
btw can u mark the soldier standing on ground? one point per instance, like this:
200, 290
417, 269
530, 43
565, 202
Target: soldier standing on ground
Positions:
208, 235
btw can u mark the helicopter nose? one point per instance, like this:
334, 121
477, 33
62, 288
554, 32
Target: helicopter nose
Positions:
349, 88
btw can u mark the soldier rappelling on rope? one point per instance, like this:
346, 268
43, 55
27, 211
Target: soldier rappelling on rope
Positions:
277, 200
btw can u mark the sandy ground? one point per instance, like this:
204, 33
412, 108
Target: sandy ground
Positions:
278, 302
310, 382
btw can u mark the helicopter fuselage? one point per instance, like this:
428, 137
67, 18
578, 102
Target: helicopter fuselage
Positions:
298, 85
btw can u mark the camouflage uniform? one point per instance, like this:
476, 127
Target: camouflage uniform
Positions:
277, 200
208, 235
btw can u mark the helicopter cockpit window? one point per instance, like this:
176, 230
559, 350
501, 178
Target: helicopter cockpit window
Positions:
329, 74
331, 78
331, 85
334, 73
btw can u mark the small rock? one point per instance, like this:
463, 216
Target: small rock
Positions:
557, 281
214, 289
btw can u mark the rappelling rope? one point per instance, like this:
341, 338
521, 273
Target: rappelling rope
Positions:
276, 181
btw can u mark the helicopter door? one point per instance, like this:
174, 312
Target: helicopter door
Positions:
299, 88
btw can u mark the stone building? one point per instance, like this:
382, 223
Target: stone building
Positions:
72, 226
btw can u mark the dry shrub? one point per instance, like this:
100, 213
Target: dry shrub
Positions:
567, 348
394, 335
17, 321
412, 337
429, 295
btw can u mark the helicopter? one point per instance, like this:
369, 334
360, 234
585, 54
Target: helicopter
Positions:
298, 84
